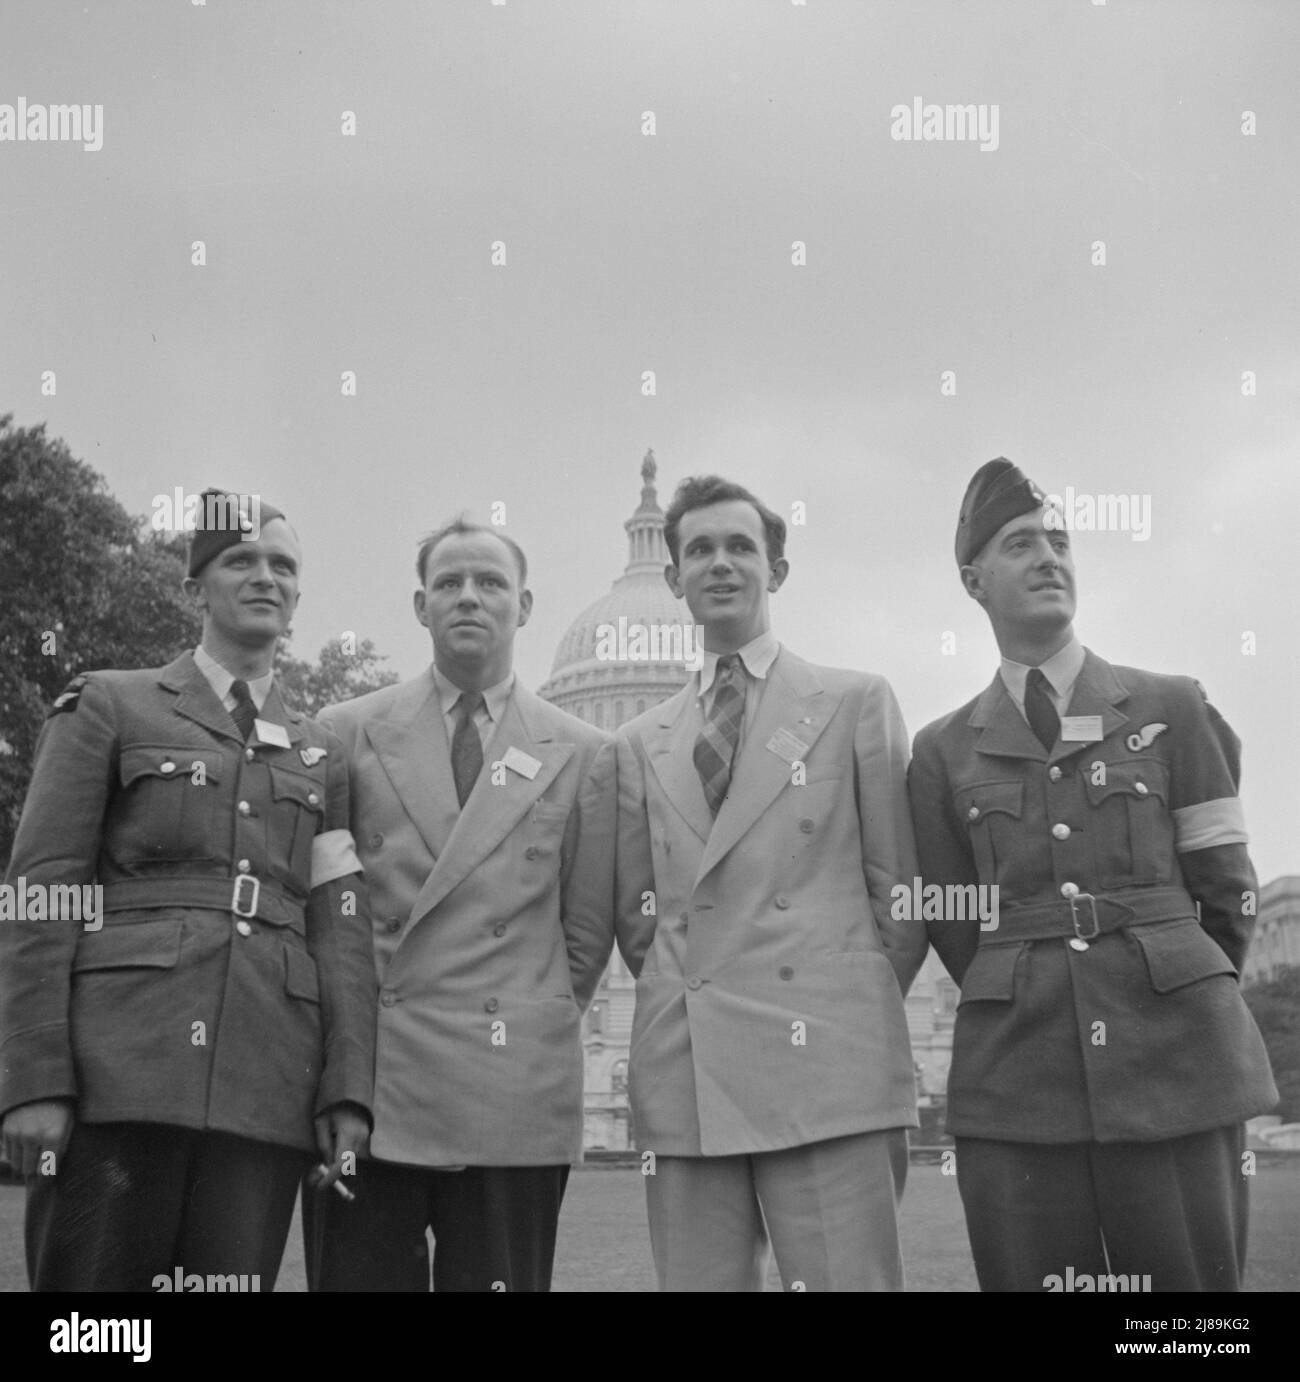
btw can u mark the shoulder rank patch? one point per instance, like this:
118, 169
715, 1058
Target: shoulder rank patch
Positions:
1145, 737
312, 756
67, 700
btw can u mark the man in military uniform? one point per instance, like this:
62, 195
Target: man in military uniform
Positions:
1103, 1058
167, 1069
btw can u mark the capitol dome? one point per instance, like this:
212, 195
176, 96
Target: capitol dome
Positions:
633, 647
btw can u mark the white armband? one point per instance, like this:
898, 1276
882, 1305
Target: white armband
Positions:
1219, 822
333, 855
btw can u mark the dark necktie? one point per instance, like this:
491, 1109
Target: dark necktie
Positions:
245, 712
1039, 710
466, 746
716, 746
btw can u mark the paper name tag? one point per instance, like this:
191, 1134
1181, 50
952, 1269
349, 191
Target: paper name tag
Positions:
787, 746
1081, 729
267, 733
520, 762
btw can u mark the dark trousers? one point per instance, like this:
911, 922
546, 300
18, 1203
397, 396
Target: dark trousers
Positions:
493, 1229
133, 1201
1175, 1211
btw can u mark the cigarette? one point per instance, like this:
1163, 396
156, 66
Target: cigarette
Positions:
337, 1184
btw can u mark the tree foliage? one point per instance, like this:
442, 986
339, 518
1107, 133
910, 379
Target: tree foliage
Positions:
337, 676
1276, 1009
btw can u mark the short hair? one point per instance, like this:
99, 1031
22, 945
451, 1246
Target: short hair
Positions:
700, 491
460, 526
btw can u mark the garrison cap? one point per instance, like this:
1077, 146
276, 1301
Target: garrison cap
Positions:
222, 520
998, 492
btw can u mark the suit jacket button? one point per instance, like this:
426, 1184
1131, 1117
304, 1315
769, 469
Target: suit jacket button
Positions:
530, 852
376, 839
786, 972
243, 866
782, 904
167, 766
1069, 890
491, 1005
245, 809
1054, 773
806, 826
312, 799
243, 928
693, 982
1140, 788
499, 929
686, 916
394, 925
249, 755
973, 814
1061, 832
388, 998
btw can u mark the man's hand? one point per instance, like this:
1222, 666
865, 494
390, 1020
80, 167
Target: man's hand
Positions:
341, 1131
31, 1130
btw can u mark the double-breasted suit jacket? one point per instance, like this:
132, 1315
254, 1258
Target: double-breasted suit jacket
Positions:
769, 997
1099, 1008
223, 991
492, 924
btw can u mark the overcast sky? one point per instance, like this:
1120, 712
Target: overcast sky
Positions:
625, 252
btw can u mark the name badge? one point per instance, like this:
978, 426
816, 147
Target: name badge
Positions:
788, 747
522, 763
267, 733
1081, 729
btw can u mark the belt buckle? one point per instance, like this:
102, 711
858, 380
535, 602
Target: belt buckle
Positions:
252, 904
1080, 941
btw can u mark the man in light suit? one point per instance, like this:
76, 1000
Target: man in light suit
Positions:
485, 820
763, 823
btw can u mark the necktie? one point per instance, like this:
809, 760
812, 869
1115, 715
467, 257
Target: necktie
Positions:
466, 746
1039, 710
245, 712
716, 746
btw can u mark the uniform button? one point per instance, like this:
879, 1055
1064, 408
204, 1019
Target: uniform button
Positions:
394, 925
376, 839
249, 755
1140, 788
1061, 832
167, 766
685, 916
245, 809
387, 998
530, 852
243, 866
782, 904
243, 928
312, 799
693, 982
499, 929
491, 1005
786, 972
1054, 773
806, 826
1069, 890
973, 814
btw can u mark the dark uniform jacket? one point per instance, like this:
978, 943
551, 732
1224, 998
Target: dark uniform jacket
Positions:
1100, 1007
205, 1000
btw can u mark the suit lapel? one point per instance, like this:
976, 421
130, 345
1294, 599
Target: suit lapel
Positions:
1006, 732
495, 808
1096, 692
794, 700
411, 745
196, 700
670, 748
275, 712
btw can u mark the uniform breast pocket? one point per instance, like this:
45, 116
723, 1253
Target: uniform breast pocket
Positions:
991, 812
296, 815
167, 806
1131, 825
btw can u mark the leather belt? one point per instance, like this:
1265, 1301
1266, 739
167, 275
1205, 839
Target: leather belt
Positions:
243, 895
1087, 915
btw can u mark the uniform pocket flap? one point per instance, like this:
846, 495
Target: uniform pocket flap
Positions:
991, 975
306, 791
139, 945
1134, 777
984, 798
1180, 954
170, 763
300, 977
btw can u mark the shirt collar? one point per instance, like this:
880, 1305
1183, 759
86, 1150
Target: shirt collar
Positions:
221, 680
757, 657
1061, 670
494, 697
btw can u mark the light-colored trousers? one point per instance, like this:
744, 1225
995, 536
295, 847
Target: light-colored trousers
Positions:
828, 1210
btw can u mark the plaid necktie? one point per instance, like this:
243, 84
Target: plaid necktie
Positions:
245, 712
466, 746
716, 746
1039, 710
